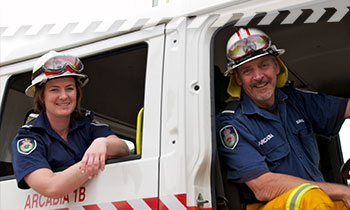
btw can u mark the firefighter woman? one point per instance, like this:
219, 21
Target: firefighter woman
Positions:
62, 136
268, 142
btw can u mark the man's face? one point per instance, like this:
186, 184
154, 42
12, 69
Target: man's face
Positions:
258, 79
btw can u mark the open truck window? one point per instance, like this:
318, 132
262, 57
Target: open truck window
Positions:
116, 87
15, 106
115, 93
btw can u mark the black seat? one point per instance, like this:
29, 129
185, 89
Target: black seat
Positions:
231, 190
227, 193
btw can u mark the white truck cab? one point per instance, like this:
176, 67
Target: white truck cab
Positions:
157, 81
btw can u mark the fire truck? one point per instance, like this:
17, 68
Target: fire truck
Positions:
156, 79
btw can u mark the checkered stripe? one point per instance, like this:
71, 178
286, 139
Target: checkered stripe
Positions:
177, 202
338, 8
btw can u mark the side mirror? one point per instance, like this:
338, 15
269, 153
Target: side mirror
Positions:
345, 169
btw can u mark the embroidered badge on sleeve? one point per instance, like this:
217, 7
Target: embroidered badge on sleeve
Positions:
229, 137
26, 146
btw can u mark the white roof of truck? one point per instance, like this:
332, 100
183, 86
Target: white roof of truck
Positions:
31, 28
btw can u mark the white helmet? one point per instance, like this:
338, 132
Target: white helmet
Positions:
53, 65
248, 44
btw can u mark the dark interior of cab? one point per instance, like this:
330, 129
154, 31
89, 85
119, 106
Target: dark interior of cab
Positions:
318, 59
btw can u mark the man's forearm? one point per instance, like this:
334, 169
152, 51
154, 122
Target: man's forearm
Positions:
270, 185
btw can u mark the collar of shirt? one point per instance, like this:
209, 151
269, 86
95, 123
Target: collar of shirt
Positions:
42, 122
250, 108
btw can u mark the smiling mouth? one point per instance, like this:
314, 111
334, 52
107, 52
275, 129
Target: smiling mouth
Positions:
65, 104
260, 85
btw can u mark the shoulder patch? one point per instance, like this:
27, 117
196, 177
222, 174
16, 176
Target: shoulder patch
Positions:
26, 146
229, 137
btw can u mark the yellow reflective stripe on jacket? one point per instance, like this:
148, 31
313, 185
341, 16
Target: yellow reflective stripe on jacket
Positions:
294, 198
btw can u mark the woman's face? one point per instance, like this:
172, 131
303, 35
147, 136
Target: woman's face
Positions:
60, 97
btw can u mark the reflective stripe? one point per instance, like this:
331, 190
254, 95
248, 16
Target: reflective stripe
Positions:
168, 202
294, 198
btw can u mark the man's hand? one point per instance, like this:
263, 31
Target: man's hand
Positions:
336, 192
347, 199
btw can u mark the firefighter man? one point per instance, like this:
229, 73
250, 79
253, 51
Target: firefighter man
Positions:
268, 144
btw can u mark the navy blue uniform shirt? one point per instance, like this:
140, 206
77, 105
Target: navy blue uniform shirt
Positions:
254, 141
37, 145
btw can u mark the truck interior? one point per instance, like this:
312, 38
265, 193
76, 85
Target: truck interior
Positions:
317, 56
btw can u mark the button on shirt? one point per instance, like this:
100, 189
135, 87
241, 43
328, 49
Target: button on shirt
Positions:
283, 143
37, 145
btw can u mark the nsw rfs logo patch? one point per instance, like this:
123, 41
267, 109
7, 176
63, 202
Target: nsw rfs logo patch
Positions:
229, 137
26, 146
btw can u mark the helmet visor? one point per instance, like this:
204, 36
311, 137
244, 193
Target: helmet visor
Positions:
58, 65
253, 44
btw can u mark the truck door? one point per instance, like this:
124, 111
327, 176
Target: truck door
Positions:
125, 74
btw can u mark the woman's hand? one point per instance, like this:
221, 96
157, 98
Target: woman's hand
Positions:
94, 157
101, 149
